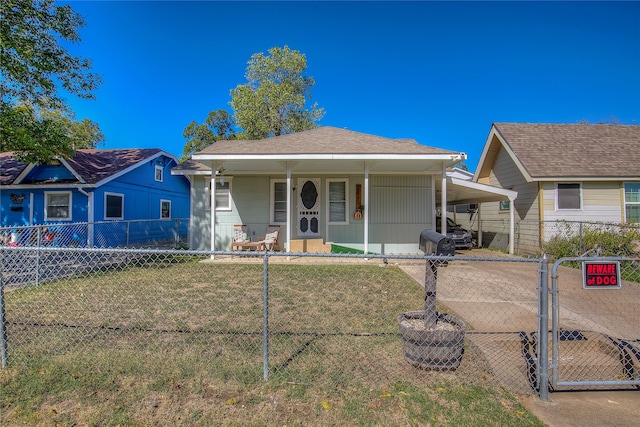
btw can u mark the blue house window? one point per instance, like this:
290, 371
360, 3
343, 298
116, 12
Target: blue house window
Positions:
165, 209
159, 173
58, 206
113, 206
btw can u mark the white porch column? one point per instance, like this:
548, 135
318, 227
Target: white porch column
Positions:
512, 232
479, 217
212, 243
367, 208
443, 202
289, 191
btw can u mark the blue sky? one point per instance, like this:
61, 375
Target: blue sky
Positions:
437, 72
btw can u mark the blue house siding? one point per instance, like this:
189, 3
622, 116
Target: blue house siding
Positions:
141, 192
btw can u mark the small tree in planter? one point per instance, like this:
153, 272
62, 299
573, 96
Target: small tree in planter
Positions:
432, 340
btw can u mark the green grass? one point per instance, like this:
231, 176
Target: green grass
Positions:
182, 345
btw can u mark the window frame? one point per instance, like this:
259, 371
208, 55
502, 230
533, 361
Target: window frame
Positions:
157, 169
579, 188
227, 182
345, 201
630, 203
69, 205
114, 218
162, 202
272, 200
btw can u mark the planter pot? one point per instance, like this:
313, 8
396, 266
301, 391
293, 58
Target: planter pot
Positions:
439, 348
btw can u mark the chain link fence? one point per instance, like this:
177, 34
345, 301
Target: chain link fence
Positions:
563, 238
165, 233
595, 330
299, 318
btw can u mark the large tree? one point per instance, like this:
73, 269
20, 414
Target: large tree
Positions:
274, 101
35, 70
42, 136
218, 125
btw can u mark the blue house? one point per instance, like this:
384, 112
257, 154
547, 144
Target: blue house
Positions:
96, 198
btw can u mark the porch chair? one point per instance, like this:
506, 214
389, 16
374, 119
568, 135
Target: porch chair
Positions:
270, 239
240, 236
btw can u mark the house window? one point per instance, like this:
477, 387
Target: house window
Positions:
223, 195
58, 206
568, 196
337, 201
165, 209
632, 201
113, 206
505, 205
159, 173
278, 202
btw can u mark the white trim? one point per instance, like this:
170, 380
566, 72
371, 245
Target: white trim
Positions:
454, 158
272, 200
367, 209
165, 201
624, 200
135, 166
104, 210
347, 210
46, 205
558, 208
155, 173
228, 181
289, 214
72, 170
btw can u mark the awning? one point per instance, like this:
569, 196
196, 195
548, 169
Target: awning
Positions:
462, 192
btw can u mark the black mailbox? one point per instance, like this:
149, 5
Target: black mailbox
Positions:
433, 243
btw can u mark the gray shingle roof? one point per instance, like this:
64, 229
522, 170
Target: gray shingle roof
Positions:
574, 150
323, 140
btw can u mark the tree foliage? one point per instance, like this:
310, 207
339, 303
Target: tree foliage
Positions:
41, 137
35, 70
218, 125
274, 100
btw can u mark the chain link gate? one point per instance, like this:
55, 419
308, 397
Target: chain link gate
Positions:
595, 330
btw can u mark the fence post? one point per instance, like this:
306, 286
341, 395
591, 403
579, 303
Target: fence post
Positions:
543, 329
3, 324
128, 229
265, 314
581, 246
38, 255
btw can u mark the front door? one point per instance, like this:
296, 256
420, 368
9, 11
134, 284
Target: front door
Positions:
308, 207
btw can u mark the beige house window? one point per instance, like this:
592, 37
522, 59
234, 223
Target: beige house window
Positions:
632, 201
568, 196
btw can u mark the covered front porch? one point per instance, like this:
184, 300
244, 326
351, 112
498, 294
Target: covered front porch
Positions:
359, 191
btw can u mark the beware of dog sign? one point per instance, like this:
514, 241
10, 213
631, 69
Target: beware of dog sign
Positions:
601, 275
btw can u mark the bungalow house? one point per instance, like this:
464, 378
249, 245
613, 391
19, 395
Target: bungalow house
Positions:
571, 172
326, 186
93, 186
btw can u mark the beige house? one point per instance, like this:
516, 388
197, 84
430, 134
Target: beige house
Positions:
571, 172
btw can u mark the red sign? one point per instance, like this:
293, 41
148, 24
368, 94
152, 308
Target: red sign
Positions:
601, 274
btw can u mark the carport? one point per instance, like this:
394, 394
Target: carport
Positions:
461, 191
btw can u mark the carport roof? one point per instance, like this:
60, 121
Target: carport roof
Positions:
461, 191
